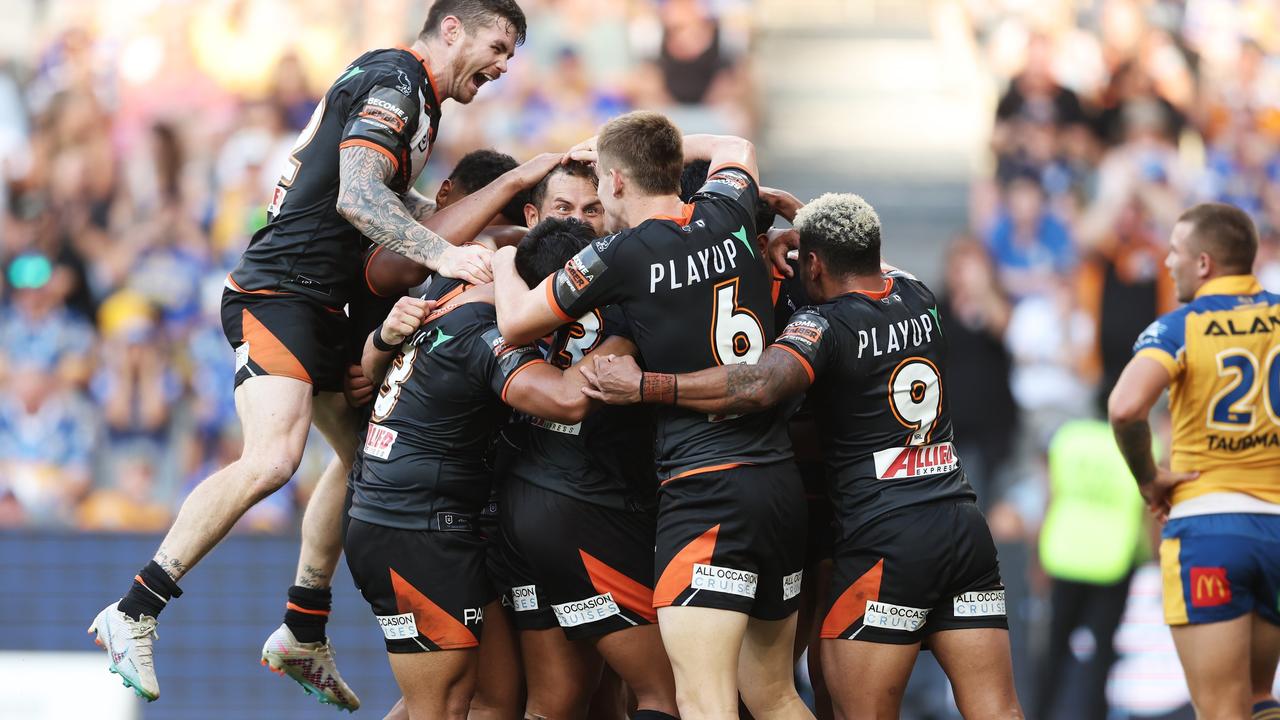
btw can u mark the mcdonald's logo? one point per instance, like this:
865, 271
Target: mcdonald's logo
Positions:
1209, 587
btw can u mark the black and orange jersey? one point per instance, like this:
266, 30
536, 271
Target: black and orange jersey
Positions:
696, 296
607, 459
434, 420
1222, 352
386, 101
877, 363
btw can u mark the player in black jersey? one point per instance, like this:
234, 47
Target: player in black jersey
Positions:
349, 176
914, 560
731, 522
411, 545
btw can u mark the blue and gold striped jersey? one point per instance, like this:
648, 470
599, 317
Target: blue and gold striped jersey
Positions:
1222, 351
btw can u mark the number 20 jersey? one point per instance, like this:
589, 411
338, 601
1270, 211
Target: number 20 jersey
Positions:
695, 296
877, 362
1222, 352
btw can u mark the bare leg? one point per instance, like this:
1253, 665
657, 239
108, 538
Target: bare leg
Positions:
766, 670
497, 692
436, 684
638, 657
322, 520
821, 586
703, 644
1264, 655
1215, 657
867, 679
561, 674
276, 413
980, 667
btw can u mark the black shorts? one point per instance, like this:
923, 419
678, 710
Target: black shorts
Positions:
287, 336
427, 588
732, 539
913, 572
820, 538
512, 577
592, 565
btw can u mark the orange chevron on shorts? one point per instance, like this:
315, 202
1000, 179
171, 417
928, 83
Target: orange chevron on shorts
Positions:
678, 573
852, 603
628, 593
433, 622
266, 350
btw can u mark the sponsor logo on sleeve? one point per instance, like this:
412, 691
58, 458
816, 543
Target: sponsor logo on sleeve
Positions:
805, 332
379, 441
894, 617
376, 112
277, 200
731, 178
1151, 336
398, 627
501, 348
524, 598
581, 612
724, 580
1209, 587
791, 584
912, 462
578, 273
984, 603
403, 86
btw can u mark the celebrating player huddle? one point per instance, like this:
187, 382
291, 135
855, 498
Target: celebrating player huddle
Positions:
578, 453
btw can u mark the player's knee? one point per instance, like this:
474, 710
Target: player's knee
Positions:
764, 699
268, 472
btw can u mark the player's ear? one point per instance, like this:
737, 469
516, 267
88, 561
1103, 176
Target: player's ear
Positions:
442, 195
1204, 264
530, 215
619, 180
451, 29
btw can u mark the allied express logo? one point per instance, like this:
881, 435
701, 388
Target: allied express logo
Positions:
1209, 587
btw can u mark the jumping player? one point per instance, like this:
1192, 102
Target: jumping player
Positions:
914, 561
731, 518
1219, 355
350, 175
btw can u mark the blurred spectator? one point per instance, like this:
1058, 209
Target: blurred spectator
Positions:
1090, 543
1049, 338
975, 314
1031, 247
131, 504
36, 329
47, 436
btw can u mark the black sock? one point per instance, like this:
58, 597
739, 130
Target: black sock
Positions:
152, 588
307, 612
1266, 710
652, 715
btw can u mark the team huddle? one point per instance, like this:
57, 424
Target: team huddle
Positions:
606, 441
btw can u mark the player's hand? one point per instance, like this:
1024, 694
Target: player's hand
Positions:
781, 202
469, 263
532, 171
584, 151
1159, 492
405, 318
781, 243
357, 388
613, 380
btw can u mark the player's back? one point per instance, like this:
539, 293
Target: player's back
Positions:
878, 397
696, 296
383, 101
1222, 351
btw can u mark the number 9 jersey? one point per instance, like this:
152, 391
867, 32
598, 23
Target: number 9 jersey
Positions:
876, 361
1222, 352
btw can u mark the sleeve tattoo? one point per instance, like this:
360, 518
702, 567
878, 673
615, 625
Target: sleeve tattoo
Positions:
378, 213
418, 206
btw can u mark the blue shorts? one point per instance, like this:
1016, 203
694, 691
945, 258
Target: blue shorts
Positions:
1220, 567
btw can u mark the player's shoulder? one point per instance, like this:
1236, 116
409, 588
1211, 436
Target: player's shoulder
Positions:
1168, 331
390, 68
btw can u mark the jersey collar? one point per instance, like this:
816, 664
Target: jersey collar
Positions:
431, 77
1230, 285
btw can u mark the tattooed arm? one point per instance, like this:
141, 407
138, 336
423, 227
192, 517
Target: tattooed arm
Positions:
380, 215
419, 206
726, 389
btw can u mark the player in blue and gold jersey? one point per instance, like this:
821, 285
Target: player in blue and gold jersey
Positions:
1219, 356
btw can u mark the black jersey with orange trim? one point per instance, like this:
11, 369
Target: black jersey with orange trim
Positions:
878, 362
386, 101
607, 459
696, 296
434, 419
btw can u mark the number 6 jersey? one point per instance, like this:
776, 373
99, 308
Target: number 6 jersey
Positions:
877, 363
695, 296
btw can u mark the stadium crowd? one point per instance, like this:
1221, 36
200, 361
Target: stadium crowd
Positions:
138, 147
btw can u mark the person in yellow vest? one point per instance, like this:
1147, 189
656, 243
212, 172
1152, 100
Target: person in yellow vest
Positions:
1219, 355
1091, 540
